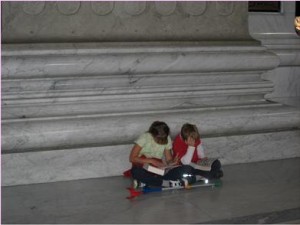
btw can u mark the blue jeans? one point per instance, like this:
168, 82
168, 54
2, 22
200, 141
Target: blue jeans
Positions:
151, 179
212, 174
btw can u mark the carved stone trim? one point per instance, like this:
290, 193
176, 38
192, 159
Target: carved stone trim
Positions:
194, 8
33, 8
135, 8
102, 8
165, 8
224, 8
68, 8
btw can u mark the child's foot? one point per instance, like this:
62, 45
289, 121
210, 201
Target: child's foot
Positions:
179, 183
174, 183
219, 174
138, 184
200, 178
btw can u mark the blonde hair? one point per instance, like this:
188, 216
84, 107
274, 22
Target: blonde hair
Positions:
189, 130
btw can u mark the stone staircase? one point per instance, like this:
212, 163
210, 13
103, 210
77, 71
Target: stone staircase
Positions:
72, 111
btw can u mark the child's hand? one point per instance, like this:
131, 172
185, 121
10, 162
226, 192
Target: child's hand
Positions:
157, 163
190, 141
174, 161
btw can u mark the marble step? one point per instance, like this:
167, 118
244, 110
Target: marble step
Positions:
86, 48
122, 81
107, 93
40, 104
37, 134
89, 106
112, 160
287, 47
55, 60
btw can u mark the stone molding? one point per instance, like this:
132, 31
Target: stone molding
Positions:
276, 31
133, 59
84, 117
102, 8
34, 8
43, 84
165, 8
225, 8
37, 134
57, 22
72, 111
68, 8
132, 8
94, 162
194, 8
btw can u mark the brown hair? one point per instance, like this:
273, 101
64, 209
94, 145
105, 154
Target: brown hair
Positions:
160, 132
189, 130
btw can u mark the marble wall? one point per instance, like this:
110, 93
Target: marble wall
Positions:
93, 162
54, 107
86, 21
72, 110
276, 31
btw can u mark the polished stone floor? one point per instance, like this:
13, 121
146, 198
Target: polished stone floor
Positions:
264, 192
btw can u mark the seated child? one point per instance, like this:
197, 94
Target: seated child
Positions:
155, 147
188, 148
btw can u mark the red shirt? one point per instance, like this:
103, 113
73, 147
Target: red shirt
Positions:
180, 148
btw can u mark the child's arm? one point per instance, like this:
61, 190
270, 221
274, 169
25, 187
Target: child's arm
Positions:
200, 151
169, 158
187, 158
135, 159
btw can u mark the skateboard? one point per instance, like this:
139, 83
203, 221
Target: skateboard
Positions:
145, 190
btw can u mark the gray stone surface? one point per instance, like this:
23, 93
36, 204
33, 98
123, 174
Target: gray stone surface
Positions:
276, 31
71, 110
69, 106
286, 216
255, 192
80, 21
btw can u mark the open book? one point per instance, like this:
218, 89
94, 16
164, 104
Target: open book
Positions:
158, 170
204, 164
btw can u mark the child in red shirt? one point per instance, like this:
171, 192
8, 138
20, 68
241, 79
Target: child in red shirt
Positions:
188, 147
155, 147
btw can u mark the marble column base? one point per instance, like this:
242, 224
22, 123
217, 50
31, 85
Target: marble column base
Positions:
39, 134
72, 111
82, 163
